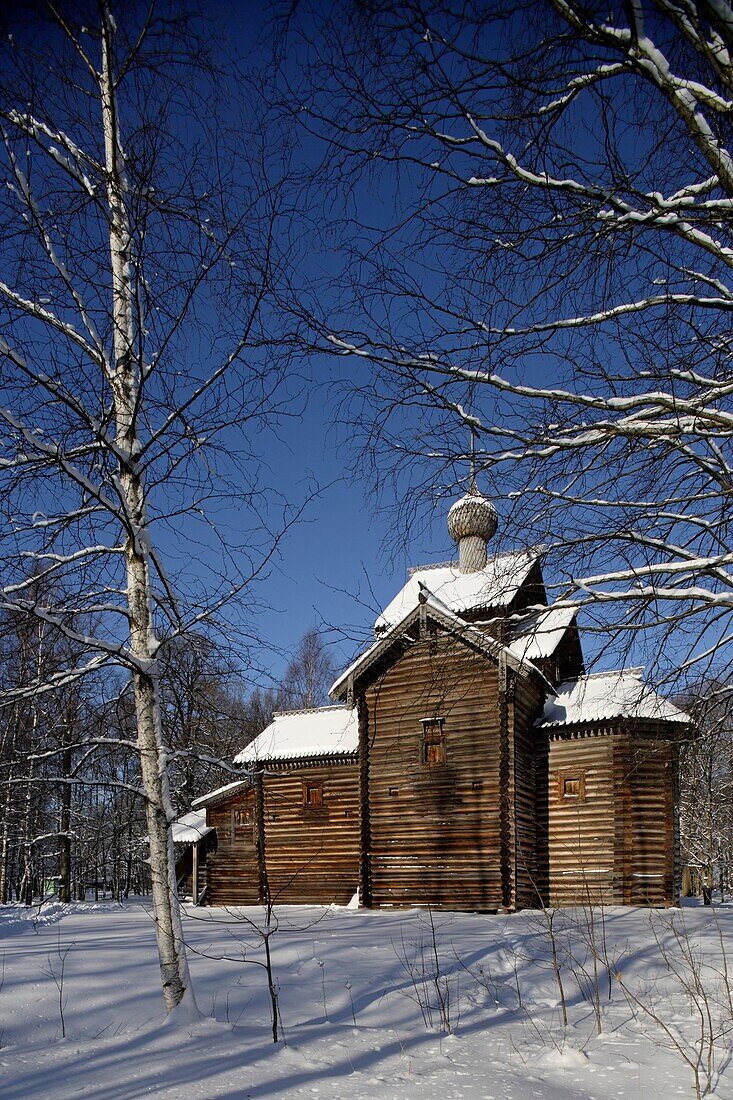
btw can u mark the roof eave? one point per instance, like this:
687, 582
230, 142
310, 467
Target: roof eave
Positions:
312, 761
221, 794
587, 726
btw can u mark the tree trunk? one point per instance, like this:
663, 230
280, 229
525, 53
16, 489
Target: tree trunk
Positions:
5, 842
124, 376
65, 830
25, 890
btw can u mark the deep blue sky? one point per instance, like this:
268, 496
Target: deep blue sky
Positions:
347, 553
341, 562
331, 569
338, 565
332, 558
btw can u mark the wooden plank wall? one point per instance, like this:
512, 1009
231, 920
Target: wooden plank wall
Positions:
434, 829
617, 846
312, 853
232, 868
581, 839
650, 804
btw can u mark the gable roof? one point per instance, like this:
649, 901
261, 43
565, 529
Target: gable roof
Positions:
495, 585
429, 604
302, 734
601, 696
539, 636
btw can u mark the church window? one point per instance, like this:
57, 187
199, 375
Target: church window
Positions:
241, 818
571, 786
433, 741
312, 794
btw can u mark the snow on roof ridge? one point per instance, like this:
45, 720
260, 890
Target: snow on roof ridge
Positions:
204, 798
537, 636
329, 731
528, 551
426, 595
604, 696
412, 569
190, 827
493, 586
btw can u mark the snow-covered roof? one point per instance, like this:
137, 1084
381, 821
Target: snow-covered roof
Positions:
220, 792
540, 636
441, 613
494, 586
301, 734
190, 828
601, 696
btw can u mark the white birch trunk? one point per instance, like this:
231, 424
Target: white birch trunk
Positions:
26, 887
125, 377
4, 842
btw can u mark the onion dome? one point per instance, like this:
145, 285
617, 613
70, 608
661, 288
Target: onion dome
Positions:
472, 521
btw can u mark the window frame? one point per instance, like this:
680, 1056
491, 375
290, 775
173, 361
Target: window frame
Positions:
572, 775
314, 786
433, 736
240, 819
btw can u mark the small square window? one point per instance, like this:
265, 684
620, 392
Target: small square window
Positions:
312, 794
433, 742
571, 786
242, 817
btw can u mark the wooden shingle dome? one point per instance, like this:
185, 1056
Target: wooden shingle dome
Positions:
472, 521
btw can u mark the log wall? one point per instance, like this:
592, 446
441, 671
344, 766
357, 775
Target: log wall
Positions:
232, 870
613, 842
526, 703
649, 826
581, 841
311, 852
434, 829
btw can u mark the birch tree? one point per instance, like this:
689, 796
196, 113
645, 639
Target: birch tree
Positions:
137, 247
552, 274
206, 719
309, 674
706, 796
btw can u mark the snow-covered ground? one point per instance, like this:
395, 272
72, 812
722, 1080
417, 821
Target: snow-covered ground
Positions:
355, 987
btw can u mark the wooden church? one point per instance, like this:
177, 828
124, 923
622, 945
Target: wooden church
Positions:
469, 762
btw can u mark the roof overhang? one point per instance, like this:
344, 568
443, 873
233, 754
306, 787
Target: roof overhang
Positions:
222, 793
600, 699
190, 828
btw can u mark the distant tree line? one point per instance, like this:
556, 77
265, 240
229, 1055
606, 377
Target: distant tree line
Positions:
72, 811
706, 794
